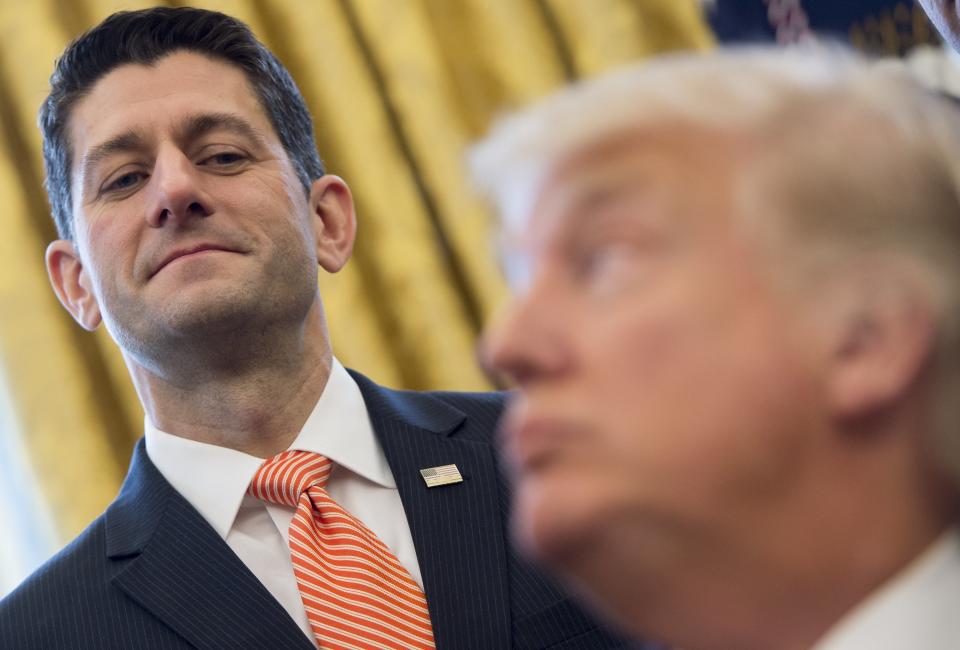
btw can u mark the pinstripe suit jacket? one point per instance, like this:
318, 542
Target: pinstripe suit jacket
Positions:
152, 573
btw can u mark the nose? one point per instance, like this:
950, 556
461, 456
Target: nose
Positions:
178, 195
527, 343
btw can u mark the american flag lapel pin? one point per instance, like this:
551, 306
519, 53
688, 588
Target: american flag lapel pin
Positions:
443, 475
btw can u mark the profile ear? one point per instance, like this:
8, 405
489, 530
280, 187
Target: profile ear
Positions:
334, 221
885, 341
71, 283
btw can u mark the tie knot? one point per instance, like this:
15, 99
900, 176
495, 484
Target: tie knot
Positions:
283, 478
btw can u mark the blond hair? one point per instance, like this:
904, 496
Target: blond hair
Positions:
856, 154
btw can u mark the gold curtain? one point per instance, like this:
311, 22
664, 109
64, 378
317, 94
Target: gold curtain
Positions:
398, 89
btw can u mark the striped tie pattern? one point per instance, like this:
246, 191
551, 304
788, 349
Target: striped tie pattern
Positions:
356, 593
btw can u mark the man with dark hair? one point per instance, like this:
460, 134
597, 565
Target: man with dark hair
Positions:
276, 500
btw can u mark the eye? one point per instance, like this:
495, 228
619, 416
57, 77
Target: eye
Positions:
608, 268
124, 181
600, 259
224, 160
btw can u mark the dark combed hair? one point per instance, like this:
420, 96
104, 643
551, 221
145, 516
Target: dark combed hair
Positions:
144, 37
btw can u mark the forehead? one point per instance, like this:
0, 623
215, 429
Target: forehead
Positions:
135, 97
673, 169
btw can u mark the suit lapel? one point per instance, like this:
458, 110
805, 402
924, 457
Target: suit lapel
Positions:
457, 529
173, 563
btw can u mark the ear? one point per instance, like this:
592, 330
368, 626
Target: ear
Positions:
334, 221
72, 284
885, 342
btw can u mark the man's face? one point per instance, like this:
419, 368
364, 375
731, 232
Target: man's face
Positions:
188, 213
945, 15
665, 382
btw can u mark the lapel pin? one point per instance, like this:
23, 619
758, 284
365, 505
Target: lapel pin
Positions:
443, 475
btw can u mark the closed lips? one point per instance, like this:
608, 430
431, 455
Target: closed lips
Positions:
188, 251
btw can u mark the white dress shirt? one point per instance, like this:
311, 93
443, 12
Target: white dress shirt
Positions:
917, 609
215, 479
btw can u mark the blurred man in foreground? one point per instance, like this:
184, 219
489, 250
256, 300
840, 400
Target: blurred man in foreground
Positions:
736, 344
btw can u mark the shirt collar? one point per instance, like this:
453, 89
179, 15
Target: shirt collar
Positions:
214, 479
917, 608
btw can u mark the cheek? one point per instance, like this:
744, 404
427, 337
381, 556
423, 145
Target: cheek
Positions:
110, 253
686, 405
276, 212
642, 356
695, 399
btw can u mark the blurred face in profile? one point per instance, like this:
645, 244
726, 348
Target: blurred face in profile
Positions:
945, 15
666, 383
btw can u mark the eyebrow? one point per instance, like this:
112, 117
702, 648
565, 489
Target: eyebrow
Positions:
194, 127
596, 195
129, 141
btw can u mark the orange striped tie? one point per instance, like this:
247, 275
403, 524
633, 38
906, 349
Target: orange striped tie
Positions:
355, 591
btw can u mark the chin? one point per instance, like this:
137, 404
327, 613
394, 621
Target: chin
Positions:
569, 546
548, 525
218, 316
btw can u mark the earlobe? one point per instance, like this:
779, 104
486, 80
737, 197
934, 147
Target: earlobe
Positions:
334, 221
72, 284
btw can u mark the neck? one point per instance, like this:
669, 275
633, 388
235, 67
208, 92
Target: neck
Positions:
756, 603
784, 579
252, 394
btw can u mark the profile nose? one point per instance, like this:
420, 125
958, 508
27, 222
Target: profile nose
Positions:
526, 341
178, 194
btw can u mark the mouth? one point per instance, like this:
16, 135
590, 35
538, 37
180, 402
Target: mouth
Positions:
189, 252
530, 442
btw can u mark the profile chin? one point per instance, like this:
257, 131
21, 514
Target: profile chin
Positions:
546, 532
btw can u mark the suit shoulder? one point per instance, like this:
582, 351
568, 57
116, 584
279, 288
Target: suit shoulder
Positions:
473, 413
58, 585
482, 410
471, 402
